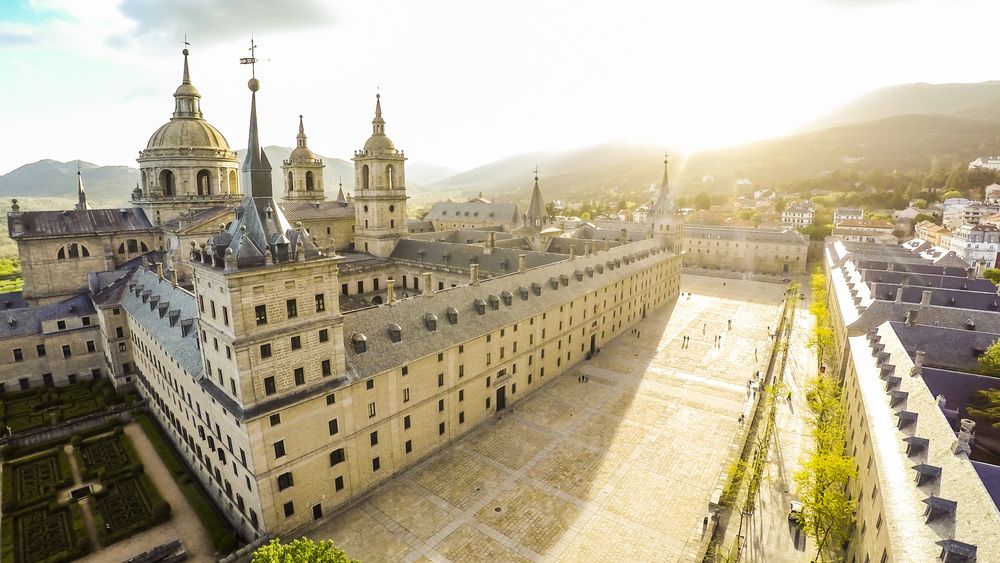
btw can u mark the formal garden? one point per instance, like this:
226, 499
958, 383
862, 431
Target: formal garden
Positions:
43, 406
43, 507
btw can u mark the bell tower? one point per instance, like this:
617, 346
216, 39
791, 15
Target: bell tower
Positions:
303, 171
379, 192
666, 223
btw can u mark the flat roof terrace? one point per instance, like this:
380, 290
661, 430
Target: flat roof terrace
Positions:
618, 468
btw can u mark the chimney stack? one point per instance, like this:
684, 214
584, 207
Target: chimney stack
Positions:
965, 435
491, 241
390, 291
159, 269
474, 274
588, 248
572, 252
925, 299
911, 317
428, 284
918, 363
522, 262
942, 402
173, 276
623, 237
899, 295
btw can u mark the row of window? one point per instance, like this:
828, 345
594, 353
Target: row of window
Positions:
291, 309
67, 351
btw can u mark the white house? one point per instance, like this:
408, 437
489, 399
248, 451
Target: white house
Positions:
974, 244
798, 214
990, 162
848, 214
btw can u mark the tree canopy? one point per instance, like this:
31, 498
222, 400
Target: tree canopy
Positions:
989, 362
985, 406
702, 201
299, 551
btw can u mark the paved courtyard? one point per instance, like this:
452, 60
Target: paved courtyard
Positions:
619, 468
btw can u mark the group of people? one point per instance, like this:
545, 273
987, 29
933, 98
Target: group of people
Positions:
583, 378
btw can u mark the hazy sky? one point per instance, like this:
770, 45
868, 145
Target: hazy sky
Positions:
466, 82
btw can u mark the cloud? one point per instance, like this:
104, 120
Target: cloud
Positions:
16, 35
209, 22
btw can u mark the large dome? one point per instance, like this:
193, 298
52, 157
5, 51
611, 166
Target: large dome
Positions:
379, 142
302, 154
185, 133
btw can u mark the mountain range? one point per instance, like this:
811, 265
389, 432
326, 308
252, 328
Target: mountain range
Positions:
905, 127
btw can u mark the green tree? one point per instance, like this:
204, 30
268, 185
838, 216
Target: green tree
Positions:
300, 550
585, 216
950, 194
993, 275
957, 181
827, 514
989, 362
926, 217
702, 201
779, 204
985, 406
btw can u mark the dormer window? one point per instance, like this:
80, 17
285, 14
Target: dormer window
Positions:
494, 302
523, 291
536, 288
452, 314
508, 297
554, 283
564, 280
395, 332
360, 343
480, 306
431, 321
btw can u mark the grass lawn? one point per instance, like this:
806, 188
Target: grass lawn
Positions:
218, 528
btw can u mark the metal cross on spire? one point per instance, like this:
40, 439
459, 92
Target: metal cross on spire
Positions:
536, 172
186, 44
252, 59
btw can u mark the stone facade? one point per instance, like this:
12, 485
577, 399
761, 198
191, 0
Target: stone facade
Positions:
745, 250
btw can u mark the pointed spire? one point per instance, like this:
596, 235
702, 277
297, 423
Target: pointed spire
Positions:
378, 124
81, 193
300, 139
537, 217
663, 204
340, 193
187, 73
256, 168
186, 97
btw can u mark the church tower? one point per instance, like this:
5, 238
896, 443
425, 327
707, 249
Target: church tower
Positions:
379, 191
187, 164
536, 226
303, 171
666, 222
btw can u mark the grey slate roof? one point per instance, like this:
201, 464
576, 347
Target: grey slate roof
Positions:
12, 300
492, 212
28, 320
990, 476
417, 341
940, 297
308, 210
785, 236
929, 280
183, 348
78, 222
945, 347
451, 255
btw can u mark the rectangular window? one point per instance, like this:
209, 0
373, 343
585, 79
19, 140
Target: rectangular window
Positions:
373, 438
289, 509
338, 484
440, 356
333, 427
279, 449
292, 308
212, 303
487, 403
225, 315
440, 380
440, 405
285, 481
343, 289
67, 351
370, 384
461, 370
40, 350
461, 348
320, 303
300, 376
325, 366
260, 313
406, 422
406, 395
336, 456
18, 355
119, 332
361, 286
440, 429
408, 446
317, 511
371, 410
269, 388
296, 342
461, 417
324, 335
265, 351
61, 325
376, 464
331, 399
275, 419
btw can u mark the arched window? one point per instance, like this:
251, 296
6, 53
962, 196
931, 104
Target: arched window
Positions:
234, 186
389, 180
72, 250
291, 184
132, 246
204, 182
309, 181
167, 182
364, 177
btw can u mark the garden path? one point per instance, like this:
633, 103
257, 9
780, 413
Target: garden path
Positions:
88, 518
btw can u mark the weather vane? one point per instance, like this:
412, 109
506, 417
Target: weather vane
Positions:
536, 171
186, 40
252, 59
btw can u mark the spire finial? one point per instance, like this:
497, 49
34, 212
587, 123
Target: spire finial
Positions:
302, 129
81, 194
184, 51
253, 84
536, 173
378, 104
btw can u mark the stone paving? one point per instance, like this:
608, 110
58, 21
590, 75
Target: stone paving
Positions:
619, 468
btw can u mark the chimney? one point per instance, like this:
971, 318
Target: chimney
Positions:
428, 284
918, 364
899, 295
623, 236
173, 276
159, 269
965, 435
587, 248
911, 317
491, 241
942, 402
390, 291
925, 299
522, 262
474, 274
572, 252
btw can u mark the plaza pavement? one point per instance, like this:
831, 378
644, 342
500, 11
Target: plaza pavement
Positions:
618, 468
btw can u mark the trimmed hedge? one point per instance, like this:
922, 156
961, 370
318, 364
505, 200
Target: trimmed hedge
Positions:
217, 526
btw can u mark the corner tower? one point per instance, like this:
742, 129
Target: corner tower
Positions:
303, 171
666, 222
379, 191
187, 163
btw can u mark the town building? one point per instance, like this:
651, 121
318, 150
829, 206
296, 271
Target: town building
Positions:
976, 244
477, 213
848, 214
295, 373
859, 230
930, 232
907, 334
799, 214
988, 162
